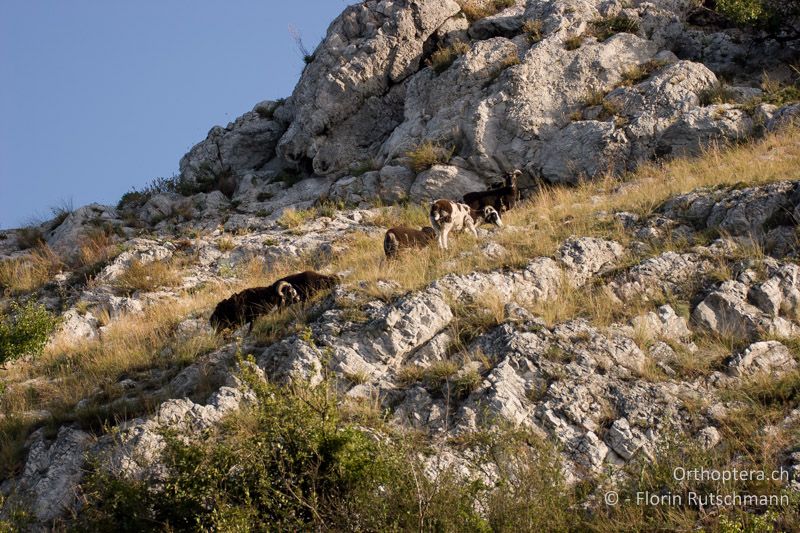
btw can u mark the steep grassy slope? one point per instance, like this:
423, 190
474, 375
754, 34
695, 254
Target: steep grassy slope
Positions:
128, 371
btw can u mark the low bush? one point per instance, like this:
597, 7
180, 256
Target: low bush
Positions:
24, 330
293, 462
29, 237
289, 177
777, 93
770, 15
207, 178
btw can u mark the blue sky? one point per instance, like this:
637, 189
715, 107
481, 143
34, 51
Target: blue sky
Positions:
100, 96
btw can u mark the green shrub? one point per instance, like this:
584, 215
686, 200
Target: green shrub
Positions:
267, 109
742, 11
25, 330
292, 462
768, 14
367, 165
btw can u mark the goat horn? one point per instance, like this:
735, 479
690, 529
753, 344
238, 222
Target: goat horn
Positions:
283, 286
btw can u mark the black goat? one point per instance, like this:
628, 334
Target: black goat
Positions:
403, 237
501, 198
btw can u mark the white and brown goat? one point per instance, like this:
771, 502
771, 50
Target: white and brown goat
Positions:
447, 216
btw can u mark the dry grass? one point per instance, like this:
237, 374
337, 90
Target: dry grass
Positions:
68, 372
29, 237
148, 277
444, 56
533, 29
574, 42
511, 59
226, 244
478, 9
597, 303
428, 154
711, 352
475, 317
29, 272
412, 215
541, 223
637, 73
95, 250
605, 28
292, 218
594, 97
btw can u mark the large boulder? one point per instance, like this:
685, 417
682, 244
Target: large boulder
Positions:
48, 483
350, 95
445, 181
246, 144
381, 84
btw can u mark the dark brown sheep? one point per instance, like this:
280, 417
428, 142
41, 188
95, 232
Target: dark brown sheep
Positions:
404, 237
308, 283
245, 306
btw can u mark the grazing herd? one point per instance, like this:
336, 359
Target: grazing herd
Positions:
446, 216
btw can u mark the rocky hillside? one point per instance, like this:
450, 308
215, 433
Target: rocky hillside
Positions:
613, 329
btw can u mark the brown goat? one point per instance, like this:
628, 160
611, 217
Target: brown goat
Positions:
501, 198
404, 237
245, 306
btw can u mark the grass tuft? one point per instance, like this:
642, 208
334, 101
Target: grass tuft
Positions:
147, 277
475, 10
574, 42
533, 30
445, 56
428, 154
607, 27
